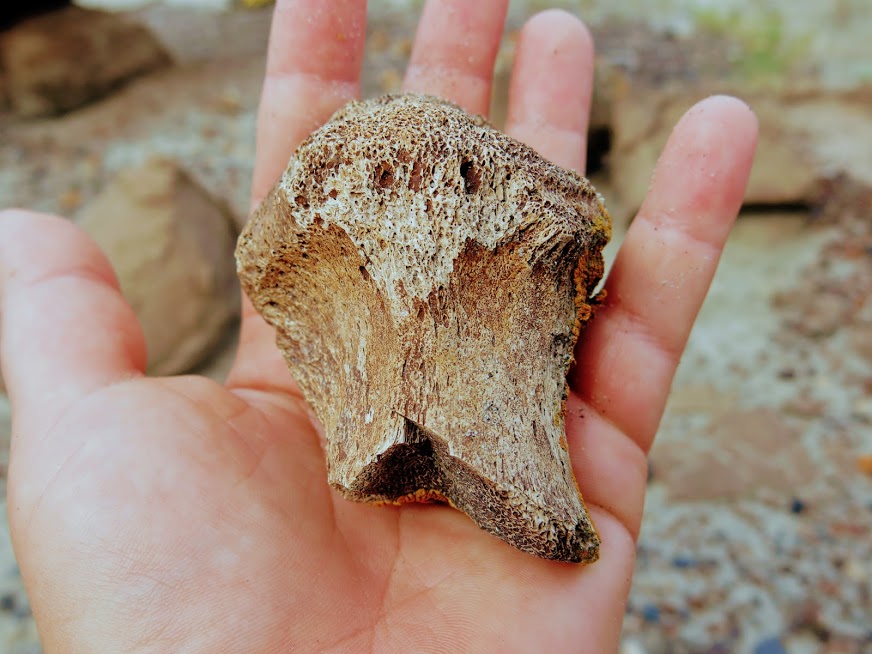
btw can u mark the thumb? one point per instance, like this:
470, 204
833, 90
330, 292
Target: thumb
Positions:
66, 329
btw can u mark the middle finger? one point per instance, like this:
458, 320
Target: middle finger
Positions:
455, 49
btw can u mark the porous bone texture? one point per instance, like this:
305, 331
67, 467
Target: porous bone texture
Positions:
427, 277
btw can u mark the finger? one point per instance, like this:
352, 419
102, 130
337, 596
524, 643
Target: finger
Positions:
259, 363
627, 357
603, 589
313, 68
66, 329
550, 91
455, 50
611, 469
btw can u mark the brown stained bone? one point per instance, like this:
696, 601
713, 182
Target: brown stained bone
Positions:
427, 277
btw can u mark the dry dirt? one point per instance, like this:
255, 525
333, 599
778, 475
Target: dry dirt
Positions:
758, 527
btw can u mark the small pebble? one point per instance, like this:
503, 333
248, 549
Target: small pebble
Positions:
229, 101
770, 646
378, 41
70, 200
391, 80
855, 570
651, 613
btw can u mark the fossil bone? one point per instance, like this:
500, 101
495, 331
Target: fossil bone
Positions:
427, 277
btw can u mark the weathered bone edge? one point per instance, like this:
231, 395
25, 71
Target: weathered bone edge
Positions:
427, 277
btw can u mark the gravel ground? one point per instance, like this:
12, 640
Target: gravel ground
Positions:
758, 529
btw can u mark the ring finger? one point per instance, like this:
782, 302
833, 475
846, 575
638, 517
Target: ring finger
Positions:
552, 79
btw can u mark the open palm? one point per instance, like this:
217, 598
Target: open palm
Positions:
180, 515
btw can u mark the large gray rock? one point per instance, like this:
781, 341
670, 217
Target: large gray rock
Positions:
172, 248
62, 60
4, 92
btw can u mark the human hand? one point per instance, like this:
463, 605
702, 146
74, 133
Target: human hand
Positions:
180, 515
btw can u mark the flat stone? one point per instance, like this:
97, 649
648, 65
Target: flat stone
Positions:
172, 248
742, 453
67, 58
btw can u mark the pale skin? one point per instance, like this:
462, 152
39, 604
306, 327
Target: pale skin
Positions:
183, 515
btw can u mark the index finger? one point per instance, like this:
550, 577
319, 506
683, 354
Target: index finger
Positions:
313, 68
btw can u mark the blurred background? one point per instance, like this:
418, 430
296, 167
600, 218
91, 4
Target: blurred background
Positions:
137, 120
